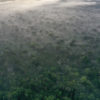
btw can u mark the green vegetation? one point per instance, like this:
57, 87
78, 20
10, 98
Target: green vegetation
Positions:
57, 72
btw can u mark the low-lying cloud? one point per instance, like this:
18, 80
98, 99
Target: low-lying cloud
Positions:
23, 5
75, 3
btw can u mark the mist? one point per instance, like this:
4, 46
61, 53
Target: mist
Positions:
49, 49
21, 15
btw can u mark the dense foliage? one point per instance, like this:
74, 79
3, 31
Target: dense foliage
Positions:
59, 72
50, 52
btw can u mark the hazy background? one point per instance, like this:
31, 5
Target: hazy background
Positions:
31, 20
